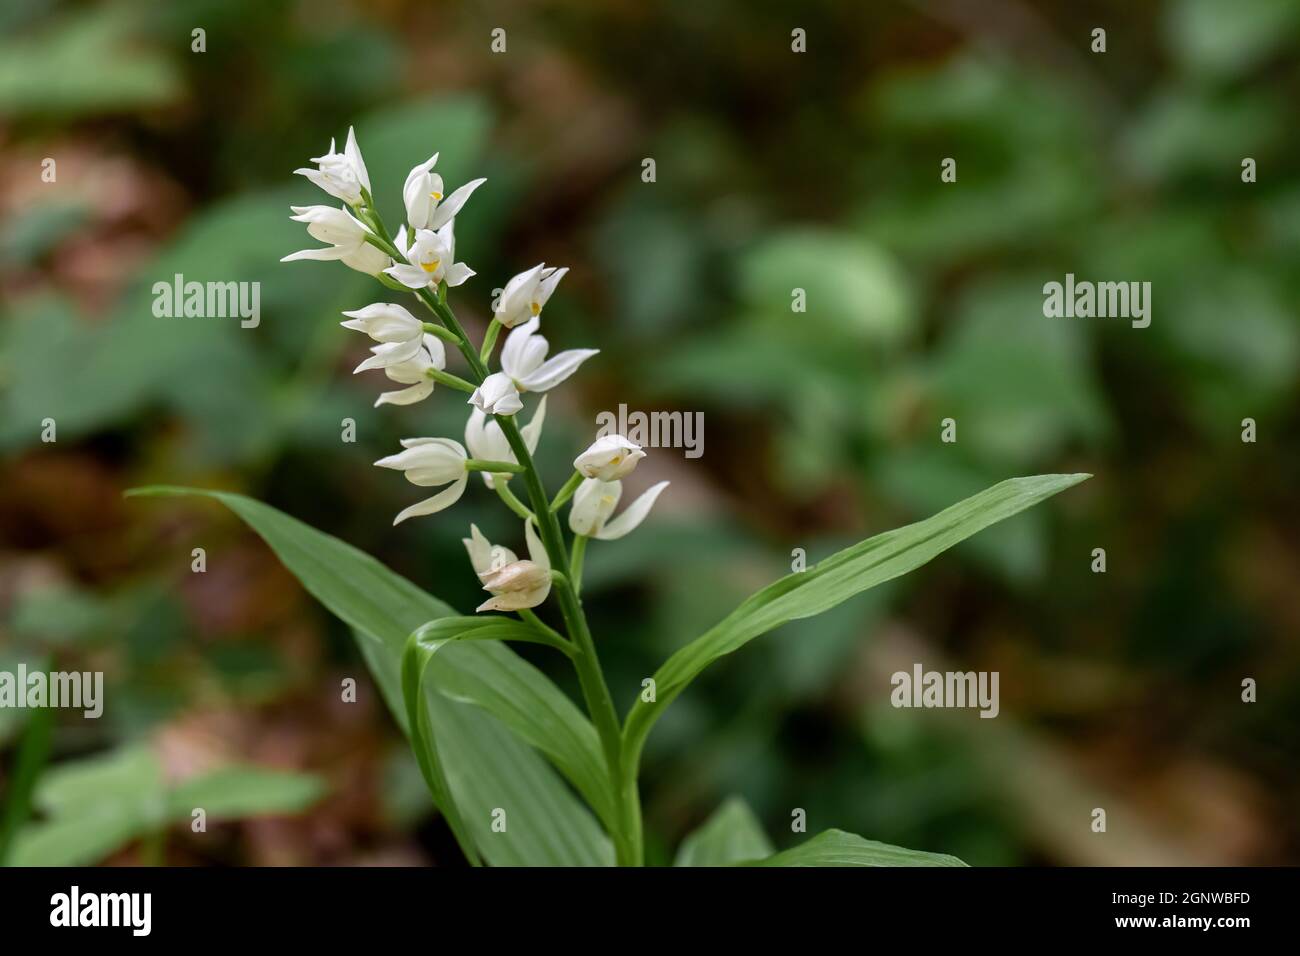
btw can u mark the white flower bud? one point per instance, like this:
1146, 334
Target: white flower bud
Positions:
497, 395
609, 458
514, 584
342, 175
526, 294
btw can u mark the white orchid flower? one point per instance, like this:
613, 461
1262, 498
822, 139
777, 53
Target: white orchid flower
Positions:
345, 235
429, 258
523, 358
485, 556
525, 295
595, 501
342, 175
609, 458
486, 441
429, 462
413, 371
425, 206
384, 322
497, 395
516, 584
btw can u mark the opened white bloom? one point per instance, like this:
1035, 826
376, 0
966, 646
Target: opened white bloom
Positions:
595, 501
425, 206
429, 462
514, 584
342, 175
523, 358
412, 370
485, 440
609, 458
497, 395
430, 258
345, 235
526, 294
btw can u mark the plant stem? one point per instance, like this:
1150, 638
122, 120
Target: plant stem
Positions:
495, 467
554, 638
627, 838
566, 491
442, 332
594, 689
489, 339
575, 565
446, 378
513, 503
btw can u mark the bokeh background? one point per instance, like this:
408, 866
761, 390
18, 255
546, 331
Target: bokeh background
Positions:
775, 170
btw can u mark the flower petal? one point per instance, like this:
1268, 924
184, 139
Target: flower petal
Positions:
406, 396
353, 152
329, 253
413, 277
458, 273
443, 499
453, 203
532, 432
556, 369
524, 350
536, 550
390, 353
632, 515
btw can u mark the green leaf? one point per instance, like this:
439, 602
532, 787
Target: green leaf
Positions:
384, 609
90, 62
238, 791
129, 777
92, 807
75, 841
837, 848
519, 696
732, 835
490, 768
839, 577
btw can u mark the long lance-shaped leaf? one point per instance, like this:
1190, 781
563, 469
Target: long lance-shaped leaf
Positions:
732, 835
837, 848
547, 721
383, 609
839, 577
423, 741
422, 645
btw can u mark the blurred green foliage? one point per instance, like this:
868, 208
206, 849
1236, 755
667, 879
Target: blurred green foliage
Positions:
775, 171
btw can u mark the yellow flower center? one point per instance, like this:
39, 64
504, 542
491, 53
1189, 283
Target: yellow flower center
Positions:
436, 195
537, 309
431, 265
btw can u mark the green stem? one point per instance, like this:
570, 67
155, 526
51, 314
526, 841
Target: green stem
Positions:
446, 378
575, 565
627, 838
513, 503
566, 491
495, 467
444, 333
548, 635
489, 339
